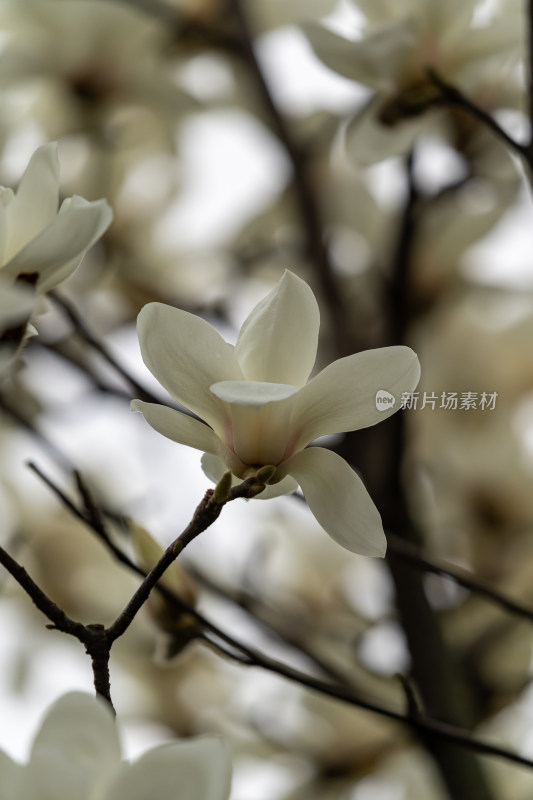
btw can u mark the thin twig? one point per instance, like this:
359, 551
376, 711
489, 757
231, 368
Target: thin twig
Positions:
206, 513
93, 637
279, 630
453, 96
411, 554
83, 331
419, 721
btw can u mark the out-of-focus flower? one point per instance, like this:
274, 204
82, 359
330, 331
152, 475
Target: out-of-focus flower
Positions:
87, 60
400, 44
39, 244
261, 410
77, 754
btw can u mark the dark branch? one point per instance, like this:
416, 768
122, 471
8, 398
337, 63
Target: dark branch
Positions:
411, 554
419, 721
453, 96
248, 656
83, 331
93, 637
206, 513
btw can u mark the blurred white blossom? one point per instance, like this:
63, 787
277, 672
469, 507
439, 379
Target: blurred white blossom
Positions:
76, 755
401, 42
40, 245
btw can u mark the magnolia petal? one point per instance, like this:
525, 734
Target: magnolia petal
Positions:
36, 201
338, 499
187, 356
252, 393
75, 228
343, 396
288, 485
51, 776
278, 341
368, 141
199, 769
372, 61
215, 468
178, 426
81, 731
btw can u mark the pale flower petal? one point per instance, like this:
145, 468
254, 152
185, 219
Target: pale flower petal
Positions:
214, 468
371, 61
338, 499
186, 430
278, 341
178, 426
36, 201
75, 228
369, 141
192, 770
252, 393
343, 396
187, 356
78, 743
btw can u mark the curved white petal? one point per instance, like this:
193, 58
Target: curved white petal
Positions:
36, 201
288, 485
214, 468
78, 738
187, 356
186, 430
278, 341
178, 426
372, 61
338, 499
343, 396
199, 769
52, 776
75, 228
369, 141
252, 393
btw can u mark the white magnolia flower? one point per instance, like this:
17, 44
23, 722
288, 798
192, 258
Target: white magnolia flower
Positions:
37, 239
39, 244
401, 40
76, 755
261, 410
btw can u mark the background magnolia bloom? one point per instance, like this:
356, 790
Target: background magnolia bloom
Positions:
399, 42
76, 755
38, 240
260, 408
39, 245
